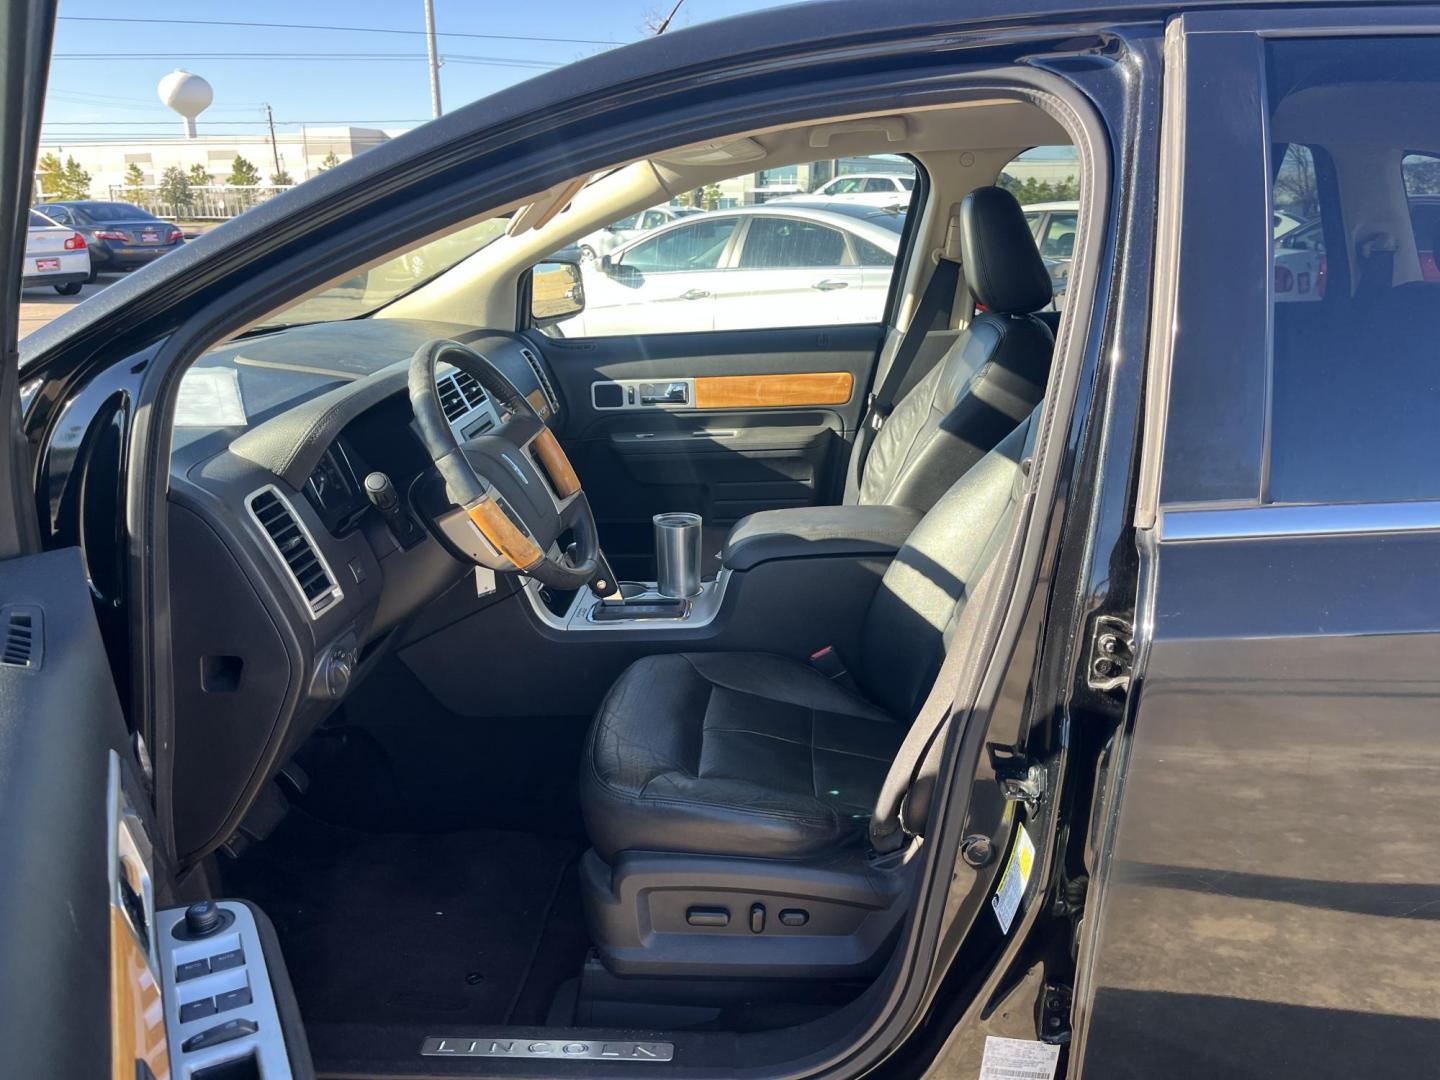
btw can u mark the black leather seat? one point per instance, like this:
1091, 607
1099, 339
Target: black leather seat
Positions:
759, 755
988, 380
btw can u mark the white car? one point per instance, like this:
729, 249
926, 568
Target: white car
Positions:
872, 189
54, 255
788, 264
1053, 226
617, 234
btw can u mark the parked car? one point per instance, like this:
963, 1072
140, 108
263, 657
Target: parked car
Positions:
1009, 693
619, 233
875, 189
789, 264
1053, 225
119, 236
55, 255
1301, 269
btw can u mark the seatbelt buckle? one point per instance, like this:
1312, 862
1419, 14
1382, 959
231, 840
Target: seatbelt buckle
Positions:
875, 413
827, 662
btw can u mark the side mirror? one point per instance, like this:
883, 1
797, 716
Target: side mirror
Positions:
607, 263
556, 291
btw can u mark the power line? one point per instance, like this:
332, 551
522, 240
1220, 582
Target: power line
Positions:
494, 61
142, 125
345, 29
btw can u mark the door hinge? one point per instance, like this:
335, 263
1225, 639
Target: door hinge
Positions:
1112, 655
1055, 1014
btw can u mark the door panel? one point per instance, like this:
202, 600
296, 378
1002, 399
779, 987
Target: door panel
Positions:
747, 438
60, 728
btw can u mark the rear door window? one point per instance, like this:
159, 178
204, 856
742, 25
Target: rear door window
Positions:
1355, 381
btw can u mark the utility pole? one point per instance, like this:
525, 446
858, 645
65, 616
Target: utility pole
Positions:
434, 60
274, 147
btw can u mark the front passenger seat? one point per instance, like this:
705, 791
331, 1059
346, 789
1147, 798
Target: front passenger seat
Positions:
988, 380
715, 782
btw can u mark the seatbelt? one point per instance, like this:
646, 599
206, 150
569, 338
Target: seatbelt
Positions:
959, 671
932, 313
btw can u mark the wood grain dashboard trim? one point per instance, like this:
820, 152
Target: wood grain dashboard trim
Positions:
773, 391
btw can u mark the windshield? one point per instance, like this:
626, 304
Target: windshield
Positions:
113, 211
374, 288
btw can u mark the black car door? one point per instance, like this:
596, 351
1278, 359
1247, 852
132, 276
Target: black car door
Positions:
79, 994
722, 388
1264, 900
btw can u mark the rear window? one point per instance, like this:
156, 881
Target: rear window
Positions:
115, 212
39, 221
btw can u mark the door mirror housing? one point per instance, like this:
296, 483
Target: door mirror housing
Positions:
557, 291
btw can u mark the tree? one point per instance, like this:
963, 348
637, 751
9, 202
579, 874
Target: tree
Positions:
74, 181
710, 197
174, 189
134, 181
1295, 187
242, 173
1035, 190
199, 177
281, 179
329, 161
51, 176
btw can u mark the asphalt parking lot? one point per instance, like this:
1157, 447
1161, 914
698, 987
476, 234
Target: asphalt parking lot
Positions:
41, 304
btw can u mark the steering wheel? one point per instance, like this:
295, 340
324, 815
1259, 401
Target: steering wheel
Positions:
513, 483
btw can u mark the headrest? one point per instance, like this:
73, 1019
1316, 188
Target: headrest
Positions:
1002, 265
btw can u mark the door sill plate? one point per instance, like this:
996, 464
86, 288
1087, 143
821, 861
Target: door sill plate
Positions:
548, 1049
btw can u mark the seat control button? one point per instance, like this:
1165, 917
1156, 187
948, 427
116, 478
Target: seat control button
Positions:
794, 917
757, 918
708, 916
193, 970
220, 1033
196, 1010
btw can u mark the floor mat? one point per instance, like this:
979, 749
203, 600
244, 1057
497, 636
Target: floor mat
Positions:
397, 929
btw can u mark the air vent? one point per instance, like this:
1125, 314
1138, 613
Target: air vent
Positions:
24, 630
296, 548
542, 379
460, 394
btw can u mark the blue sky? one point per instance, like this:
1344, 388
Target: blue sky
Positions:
103, 77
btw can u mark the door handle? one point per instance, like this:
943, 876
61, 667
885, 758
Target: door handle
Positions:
694, 294
830, 285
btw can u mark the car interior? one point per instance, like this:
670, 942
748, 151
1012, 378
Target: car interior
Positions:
528, 682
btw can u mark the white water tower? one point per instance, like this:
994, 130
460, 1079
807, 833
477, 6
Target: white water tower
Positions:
189, 95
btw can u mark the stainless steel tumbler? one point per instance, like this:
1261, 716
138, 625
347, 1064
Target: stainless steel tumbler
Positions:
677, 553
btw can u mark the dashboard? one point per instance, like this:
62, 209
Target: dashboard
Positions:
271, 528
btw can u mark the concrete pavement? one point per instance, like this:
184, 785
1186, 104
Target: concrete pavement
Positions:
41, 304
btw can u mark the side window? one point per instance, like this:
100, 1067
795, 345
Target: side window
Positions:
1059, 239
772, 248
58, 214
1045, 180
695, 246
780, 242
1355, 416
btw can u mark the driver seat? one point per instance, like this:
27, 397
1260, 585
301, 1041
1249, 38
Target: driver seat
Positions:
708, 773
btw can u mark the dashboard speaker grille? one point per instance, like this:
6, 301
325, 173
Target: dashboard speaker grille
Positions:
542, 379
296, 549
